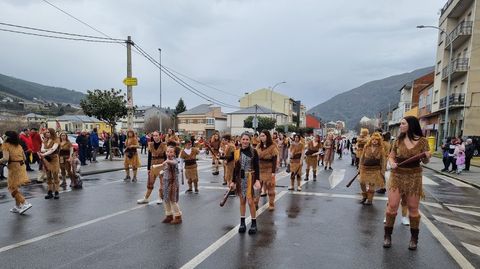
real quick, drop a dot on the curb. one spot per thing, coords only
(3, 183)
(454, 177)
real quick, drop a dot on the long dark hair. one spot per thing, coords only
(269, 139)
(12, 138)
(414, 131)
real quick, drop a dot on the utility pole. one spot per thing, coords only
(160, 71)
(129, 87)
(255, 120)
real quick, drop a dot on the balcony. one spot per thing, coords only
(457, 68)
(455, 100)
(459, 35)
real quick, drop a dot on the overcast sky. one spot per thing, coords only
(320, 48)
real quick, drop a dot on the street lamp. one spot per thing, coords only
(271, 96)
(160, 69)
(449, 70)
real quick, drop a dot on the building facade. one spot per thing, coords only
(202, 120)
(235, 119)
(458, 18)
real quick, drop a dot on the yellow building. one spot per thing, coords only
(275, 101)
(77, 123)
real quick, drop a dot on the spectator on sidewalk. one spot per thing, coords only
(82, 143)
(89, 147)
(106, 142)
(94, 144)
(460, 162)
(459, 154)
(36, 146)
(445, 160)
(469, 149)
(121, 142)
(2, 167)
(143, 143)
(27, 147)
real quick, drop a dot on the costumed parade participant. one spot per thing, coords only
(189, 157)
(372, 168)
(65, 154)
(214, 147)
(51, 164)
(361, 141)
(131, 156)
(157, 154)
(313, 149)
(329, 147)
(296, 162)
(406, 179)
(14, 159)
(170, 188)
(228, 163)
(267, 155)
(246, 181)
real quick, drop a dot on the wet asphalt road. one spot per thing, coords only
(101, 226)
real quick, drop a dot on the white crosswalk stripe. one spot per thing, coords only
(428, 181)
(469, 212)
(454, 181)
(473, 249)
(457, 223)
(336, 177)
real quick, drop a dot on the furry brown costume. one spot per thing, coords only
(312, 160)
(296, 164)
(65, 152)
(191, 172)
(52, 164)
(17, 171)
(372, 163)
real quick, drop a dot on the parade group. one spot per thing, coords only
(250, 163)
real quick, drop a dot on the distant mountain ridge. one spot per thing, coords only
(366, 100)
(26, 90)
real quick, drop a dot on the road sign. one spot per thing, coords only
(130, 81)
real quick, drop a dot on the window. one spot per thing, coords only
(210, 121)
(439, 67)
(435, 97)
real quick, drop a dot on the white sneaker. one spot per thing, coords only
(142, 201)
(405, 221)
(15, 209)
(159, 201)
(384, 220)
(26, 206)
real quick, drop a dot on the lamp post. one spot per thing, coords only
(160, 71)
(271, 96)
(449, 70)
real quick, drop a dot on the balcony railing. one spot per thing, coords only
(463, 29)
(458, 66)
(455, 99)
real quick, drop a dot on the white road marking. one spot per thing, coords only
(428, 181)
(437, 205)
(335, 195)
(473, 213)
(456, 255)
(197, 260)
(463, 206)
(336, 177)
(457, 223)
(67, 229)
(454, 181)
(473, 249)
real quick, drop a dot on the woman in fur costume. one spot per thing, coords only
(157, 154)
(329, 147)
(215, 150)
(406, 180)
(372, 168)
(65, 153)
(361, 141)
(282, 144)
(228, 163)
(296, 162)
(267, 156)
(50, 159)
(14, 158)
(313, 150)
(246, 181)
(131, 156)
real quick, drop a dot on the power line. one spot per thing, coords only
(60, 33)
(182, 82)
(60, 37)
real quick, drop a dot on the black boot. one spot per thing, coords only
(49, 195)
(253, 227)
(314, 175)
(413, 239)
(56, 197)
(242, 227)
(387, 238)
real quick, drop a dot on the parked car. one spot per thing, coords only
(73, 139)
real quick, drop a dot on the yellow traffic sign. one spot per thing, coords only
(130, 81)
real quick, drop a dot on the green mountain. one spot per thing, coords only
(366, 100)
(26, 90)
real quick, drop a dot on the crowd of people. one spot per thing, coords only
(249, 161)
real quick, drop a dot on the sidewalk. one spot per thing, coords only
(102, 166)
(471, 177)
